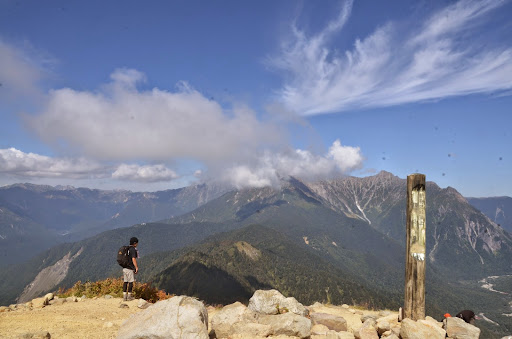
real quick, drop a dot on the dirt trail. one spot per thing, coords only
(89, 318)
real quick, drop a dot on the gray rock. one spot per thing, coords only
(457, 328)
(40, 302)
(49, 296)
(333, 322)
(383, 326)
(367, 331)
(273, 302)
(341, 335)
(72, 299)
(124, 306)
(143, 304)
(179, 317)
(224, 320)
(319, 329)
(420, 329)
(108, 296)
(368, 316)
(289, 324)
(247, 330)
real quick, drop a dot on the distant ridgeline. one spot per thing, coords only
(339, 241)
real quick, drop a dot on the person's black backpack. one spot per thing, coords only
(123, 258)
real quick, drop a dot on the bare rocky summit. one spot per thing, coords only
(268, 315)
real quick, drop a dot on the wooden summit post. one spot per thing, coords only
(414, 301)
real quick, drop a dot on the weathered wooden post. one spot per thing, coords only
(414, 302)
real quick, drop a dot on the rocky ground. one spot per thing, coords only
(87, 318)
(101, 318)
(268, 315)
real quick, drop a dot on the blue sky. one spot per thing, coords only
(151, 96)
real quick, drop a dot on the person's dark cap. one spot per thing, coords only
(134, 241)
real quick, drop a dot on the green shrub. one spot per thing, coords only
(113, 287)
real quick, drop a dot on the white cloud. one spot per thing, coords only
(437, 58)
(119, 122)
(20, 72)
(271, 167)
(30, 165)
(147, 173)
(20, 164)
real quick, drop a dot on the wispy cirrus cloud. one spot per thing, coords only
(442, 56)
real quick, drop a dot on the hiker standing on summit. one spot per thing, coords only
(130, 270)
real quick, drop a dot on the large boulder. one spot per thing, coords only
(225, 322)
(333, 322)
(457, 328)
(180, 317)
(289, 324)
(420, 329)
(273, 302)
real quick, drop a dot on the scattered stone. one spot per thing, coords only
(289, 324)
(4, 309)
(177, 317)
(345, 306)
(83, 297)
(40, 302)
(49, 296)
(384, 313)
(433, 321)
(108, 324)
(317, 304)
(72, 299)
(319, 329)
(246, 330)
(143, 304)
(351, 310)
(345, 335)
(457, 328)
(420, 329)
(368, 316)
(392, 336)
(108, 296)
(223, 321)
(273, 302)
(367, 331)
(333, 322)
(124, 306)
(383, 326)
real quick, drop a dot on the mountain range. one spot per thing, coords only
(34, 218)
(498, 209)
(339, 241)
